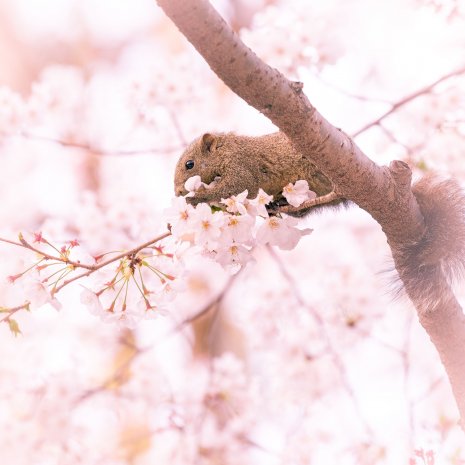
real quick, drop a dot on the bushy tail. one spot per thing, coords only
(441, 250)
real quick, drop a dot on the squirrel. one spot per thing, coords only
(238, 163)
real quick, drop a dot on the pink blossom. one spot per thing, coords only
(169, 291)
(281, 232)
(207, 226)
(235, 203)
(238, 228)
(38, 237)
(296, 194)
(36, 292)
(259, 203)
(179, 216)
(193, 184)
(12, 278)
(233, 254)
(92, 302)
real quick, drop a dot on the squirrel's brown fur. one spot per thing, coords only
(270, 162)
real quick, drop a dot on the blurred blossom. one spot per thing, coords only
(12, 109)
(295, 36)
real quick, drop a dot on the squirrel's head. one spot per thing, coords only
(202, 159)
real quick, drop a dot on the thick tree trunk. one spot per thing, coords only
(383, 192)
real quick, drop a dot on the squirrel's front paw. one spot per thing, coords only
(273, 208)
(201, 195)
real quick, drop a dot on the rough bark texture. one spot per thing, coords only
(383, 192)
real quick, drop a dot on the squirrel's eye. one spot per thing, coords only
(190, 164)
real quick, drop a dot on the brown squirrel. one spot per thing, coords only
(270, 162)
(240, 163)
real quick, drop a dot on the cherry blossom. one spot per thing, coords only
(298, 193)
(37, 292)
(281, 232)
(193, 184)
(235, 203)
(233, 255)
(238, 228)
(179, 217)
(258, 205)
(207, 226)
(91, 301)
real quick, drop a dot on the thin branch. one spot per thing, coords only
(100, 151)
(23, 243)
(395, 106)
(11, 311)
(207, 308)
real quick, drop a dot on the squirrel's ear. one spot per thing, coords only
(209, 142)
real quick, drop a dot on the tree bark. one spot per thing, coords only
(384, 192)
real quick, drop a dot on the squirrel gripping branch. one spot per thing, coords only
(238, 163)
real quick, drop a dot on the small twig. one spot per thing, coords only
(11, 311)
(23, 243)
(177, 127)
(409, 98)
(206, 309)
(363, 98)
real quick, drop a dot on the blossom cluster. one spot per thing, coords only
(230, 235)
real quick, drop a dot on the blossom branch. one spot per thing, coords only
(44, 289)
(92, 268)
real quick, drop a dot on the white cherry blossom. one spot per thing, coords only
(296, 194)
(207, 226)
(260, 202)
(37, 292)
(179, 216)
(235, 203)
(281, 232)
(193, 184)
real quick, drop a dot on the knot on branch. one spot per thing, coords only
(401, 174)
(297, 86)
